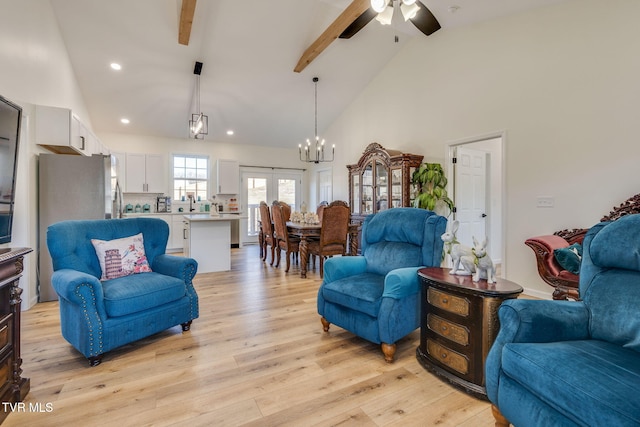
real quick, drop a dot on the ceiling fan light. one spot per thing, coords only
(378, 5)
(408, 2)
(385, 17)
(409, 11)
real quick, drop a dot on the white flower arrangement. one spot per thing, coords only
(305, 218)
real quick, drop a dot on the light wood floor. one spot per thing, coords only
(257, 356)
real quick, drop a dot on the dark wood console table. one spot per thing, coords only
(459, 322)
(13, 387)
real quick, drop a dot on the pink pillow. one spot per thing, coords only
(121, 257)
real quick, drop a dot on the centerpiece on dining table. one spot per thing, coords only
(305, 217)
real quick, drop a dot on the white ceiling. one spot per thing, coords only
(249, 49)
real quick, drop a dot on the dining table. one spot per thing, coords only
(305, 231)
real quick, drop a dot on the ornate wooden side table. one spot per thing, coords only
(459, 323)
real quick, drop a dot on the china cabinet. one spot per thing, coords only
(381, 180)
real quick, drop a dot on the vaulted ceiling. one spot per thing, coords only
(248, 48)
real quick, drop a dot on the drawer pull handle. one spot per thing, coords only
(444, 300)
(444, 355)
(444, 328)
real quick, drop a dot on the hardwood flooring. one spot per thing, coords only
(256, 356)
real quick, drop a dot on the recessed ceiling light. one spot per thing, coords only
(116, 66)
(125, 121)
(230, 132)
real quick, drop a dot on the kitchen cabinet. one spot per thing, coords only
(228, 177)
(176, 238)
(207, 239)
(60, 131)
(145, 173)
(381, 180)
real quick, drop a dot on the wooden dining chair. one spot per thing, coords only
(333, 235)
(280, 213)
(268, 238)
(320, 209)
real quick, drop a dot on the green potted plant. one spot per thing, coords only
(431, 186)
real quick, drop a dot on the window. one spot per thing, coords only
(190, 176)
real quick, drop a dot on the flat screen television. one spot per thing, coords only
(10, 121)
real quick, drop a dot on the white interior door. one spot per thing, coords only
(257, 186)
(470, 194)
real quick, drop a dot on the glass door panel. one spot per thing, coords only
(260, 186)
(396, 188)
(356, 204)
(382, 186)
(367, 190)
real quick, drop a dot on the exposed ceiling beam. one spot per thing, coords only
(186, 20)
(350, 14)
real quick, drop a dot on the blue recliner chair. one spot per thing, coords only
(561, 363)
(97, 316)
(377, 295)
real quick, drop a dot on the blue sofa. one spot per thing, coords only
(561, 363)
(97, 316)
(377, 295)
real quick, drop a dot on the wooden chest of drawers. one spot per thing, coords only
(458, 325)
(13, 387)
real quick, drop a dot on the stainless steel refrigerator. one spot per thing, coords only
(72, 187)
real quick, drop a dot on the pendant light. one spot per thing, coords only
(199, 123)
(318, 145)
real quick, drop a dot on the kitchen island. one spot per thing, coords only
(207, 239)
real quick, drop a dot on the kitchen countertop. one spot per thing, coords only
(208, 217)
(126, 214)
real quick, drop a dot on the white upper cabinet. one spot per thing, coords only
(61, 131)
(145, 173)
(228, 177)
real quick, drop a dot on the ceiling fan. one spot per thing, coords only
(359, 13)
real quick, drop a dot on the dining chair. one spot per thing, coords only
(333, 234)
(266, 225)
(320, 209)
(281, 213)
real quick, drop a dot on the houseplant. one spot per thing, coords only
(431, 187)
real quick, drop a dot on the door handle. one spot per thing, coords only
(484, 215)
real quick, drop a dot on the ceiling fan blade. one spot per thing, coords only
(358, 24)
(346, 18)
(425, 21)
(186, 20)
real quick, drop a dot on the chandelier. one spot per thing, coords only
(318, 147)
(385, 9)
(199, 123)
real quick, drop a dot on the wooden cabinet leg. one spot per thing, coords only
(501, 421)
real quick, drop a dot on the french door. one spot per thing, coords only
(259, 185)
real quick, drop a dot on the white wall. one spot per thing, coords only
(35, 70)
(563, 81)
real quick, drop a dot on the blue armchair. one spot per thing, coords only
(377, 295)
(97, 316)
(561, 363)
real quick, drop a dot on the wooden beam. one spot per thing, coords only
(350, 14)
(186, 20)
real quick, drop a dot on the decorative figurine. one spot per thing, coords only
(456, 250)
(481, 261)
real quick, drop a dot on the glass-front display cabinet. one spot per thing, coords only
(381, 180)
